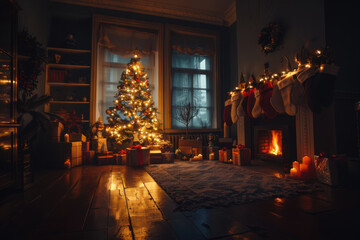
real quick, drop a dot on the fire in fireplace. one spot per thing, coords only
(269, 142)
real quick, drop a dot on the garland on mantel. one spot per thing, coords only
(311, 84)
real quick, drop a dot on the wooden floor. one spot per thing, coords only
(118, 202)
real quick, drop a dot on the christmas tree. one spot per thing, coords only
(134, 116)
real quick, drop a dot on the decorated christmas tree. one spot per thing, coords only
(134, 117)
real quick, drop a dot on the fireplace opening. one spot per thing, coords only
(270, 142)
(274, 140)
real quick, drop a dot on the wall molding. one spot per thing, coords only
(155, 8)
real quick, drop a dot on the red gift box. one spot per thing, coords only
(224, 155)
(137, 156)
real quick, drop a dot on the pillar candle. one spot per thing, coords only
(304, 170)
(66, 137)
(211, 156)
(296, 165)
(293, 172)
(306, 160)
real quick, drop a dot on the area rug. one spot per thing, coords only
(212, 184)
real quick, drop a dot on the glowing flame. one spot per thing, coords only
(275, 145)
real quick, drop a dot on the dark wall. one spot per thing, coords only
(341, 27)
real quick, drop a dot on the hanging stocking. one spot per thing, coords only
(276, 100)
(250, 102)
(227, 113)
(319, 88)
(241, 109)
(235, 101)
(285, 86)
(298, 93)
(256, 110)
(265, 95)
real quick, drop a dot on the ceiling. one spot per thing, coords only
(218, 12)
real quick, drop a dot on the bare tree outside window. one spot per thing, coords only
(185, 113)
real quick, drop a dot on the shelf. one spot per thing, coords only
(69, 50)
(69, 102)
(68, 66)
(70, 84)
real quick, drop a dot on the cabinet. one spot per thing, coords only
(68, 82)
(9, 166)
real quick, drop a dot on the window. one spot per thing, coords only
(192, 79)
(116, 47)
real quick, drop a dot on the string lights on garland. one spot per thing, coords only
(134, 116)
(311, 82)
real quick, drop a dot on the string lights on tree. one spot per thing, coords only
(134, 116)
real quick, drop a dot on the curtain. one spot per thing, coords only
(116, 46)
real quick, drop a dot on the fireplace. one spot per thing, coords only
(275, 139)
(297, 135)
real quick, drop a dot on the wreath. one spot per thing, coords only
(270, 38)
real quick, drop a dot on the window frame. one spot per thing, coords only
(168, 76)
(127, 23)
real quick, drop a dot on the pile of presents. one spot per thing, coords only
(74, 149)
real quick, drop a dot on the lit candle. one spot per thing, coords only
(293, 172)
(306, 160)
(296, 165)
(211, 156)
(200, 157)
(304, 170)
(66, 138)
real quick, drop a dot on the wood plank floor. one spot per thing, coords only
(118, 202)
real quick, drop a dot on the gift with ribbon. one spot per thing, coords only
(331, 169)
(236, 156)
(244, 155)
(123, 156)
(137, 156)
(224, 155)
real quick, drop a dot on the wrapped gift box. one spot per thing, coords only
(85, 146)
(168, 157)
(245, 156)
(98, 144)
(236, 156)
(76, 154)
(331, 170)
(224, 155)
(77, 137)
(137, 157)
(88, 157)
(117, 159)
(104, 158)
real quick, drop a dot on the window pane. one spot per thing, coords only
(190, 61)
(180, 96)
(202, 120)
(202, 98)
(201, 81)
(181, 80)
